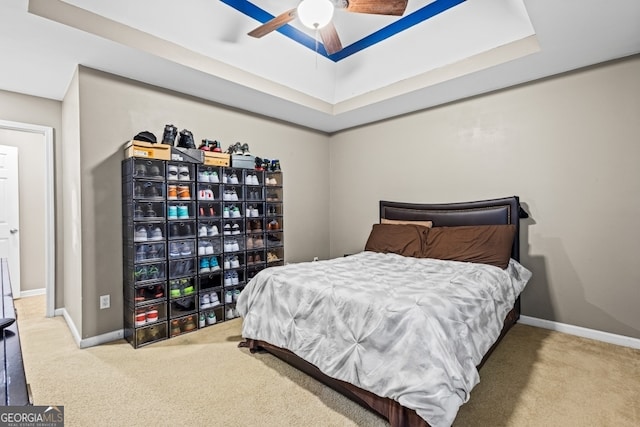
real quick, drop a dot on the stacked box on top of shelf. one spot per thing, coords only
(181, 247)
(144, 251)
(210, 244)
(256, 225)
(274, 219)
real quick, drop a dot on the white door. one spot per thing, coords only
(10, 214)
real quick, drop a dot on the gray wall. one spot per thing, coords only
(113, 110)
(569, 146)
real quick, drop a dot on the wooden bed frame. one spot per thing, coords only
(485, 212)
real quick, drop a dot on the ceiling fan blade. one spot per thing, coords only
(330, 39)
(378, 7)
(274, 24)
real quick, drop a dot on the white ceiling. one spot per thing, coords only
(200, 47)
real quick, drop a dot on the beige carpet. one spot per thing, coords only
(535, 378)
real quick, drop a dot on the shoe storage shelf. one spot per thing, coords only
(194, 235)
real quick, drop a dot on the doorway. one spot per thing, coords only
(43, 135)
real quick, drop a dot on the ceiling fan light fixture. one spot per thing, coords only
(315, 14)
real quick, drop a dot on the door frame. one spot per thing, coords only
(49, 206)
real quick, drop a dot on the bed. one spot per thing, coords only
(367, 382)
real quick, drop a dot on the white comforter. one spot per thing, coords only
(405, 328)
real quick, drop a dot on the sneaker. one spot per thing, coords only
(151, 191)
(172, 212)
(174, 289)
(187, 287)
(227, 263)
(141, 252)
(257, 259)
(203, 176)
(183, 212)
(235, 246)
(172, 192)
(234, 278)
(174, 250)
(140, 235)
(211, 318)
(235, 229)
(249, 259)
(213, 177)
(225, 212)
(213, 297)
(205, 302)
(228, 297)
(249, 242)
(140, 170)
(201, 321)
(236, 294)
(233, 179)
(183, 173)
(169, 134)
(150, 212)
(141, 318)
(175, 328)
(235, 212)
(228, 246)
(172, 173)
(226, 230)
(185, 249)
(235, 262)
(208, 250)
(204, 265)
(185, 140)
(258, 242)
(227, 279)
(212, 231)
(229, 314)
(184, 192)
(271, 257)
(152, 315)
(213, 264)
(189, 324)
(234, 195)
(156, 234)
(202, 231)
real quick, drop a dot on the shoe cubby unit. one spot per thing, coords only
(193, 237)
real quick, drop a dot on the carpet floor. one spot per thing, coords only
(535, 377)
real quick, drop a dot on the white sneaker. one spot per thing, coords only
(213, 231)
(172, 173)
(227, 279)
(228, 246)
(234, 278)
(208, 248)
(236, 294)
(140, 235)
(234, 179)
(156, 234)
(228, 297)
(227, 264)
(235, 229)
(214, 299)
(201, 249)
(205, 302)
(234, 245)
(230, 314)
(213, 177)
(227, 230)
(202, 231)
(235, 263)
(183, 173)
(211, 318)
(203, 176)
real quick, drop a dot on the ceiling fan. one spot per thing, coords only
(317, 15)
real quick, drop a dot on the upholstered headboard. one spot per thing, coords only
(483, 212)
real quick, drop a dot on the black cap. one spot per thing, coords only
(145, 136)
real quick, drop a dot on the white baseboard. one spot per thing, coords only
(91, 341)
(581, 332)
(33, 293)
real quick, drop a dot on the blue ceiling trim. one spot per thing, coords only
(420, 15)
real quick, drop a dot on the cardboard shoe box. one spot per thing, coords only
(147, 150)
(216, 159)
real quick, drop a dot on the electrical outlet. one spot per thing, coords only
(105, 301)
(315, 258)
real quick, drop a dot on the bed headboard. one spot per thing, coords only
(483, 212)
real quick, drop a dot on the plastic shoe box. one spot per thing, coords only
(208, 210)
(153, 333)
(183, 325)
(182, 268)
(181, 249)
(274, 239)
(147, 211)
(148, 314)
(183, 306)
(181, 288)
(243, 162)
(147, 150)
(219, 315)
(147, 273)
(144, 190)
(143, 294)
(208, 192)
(182, 230)
(208, 282)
